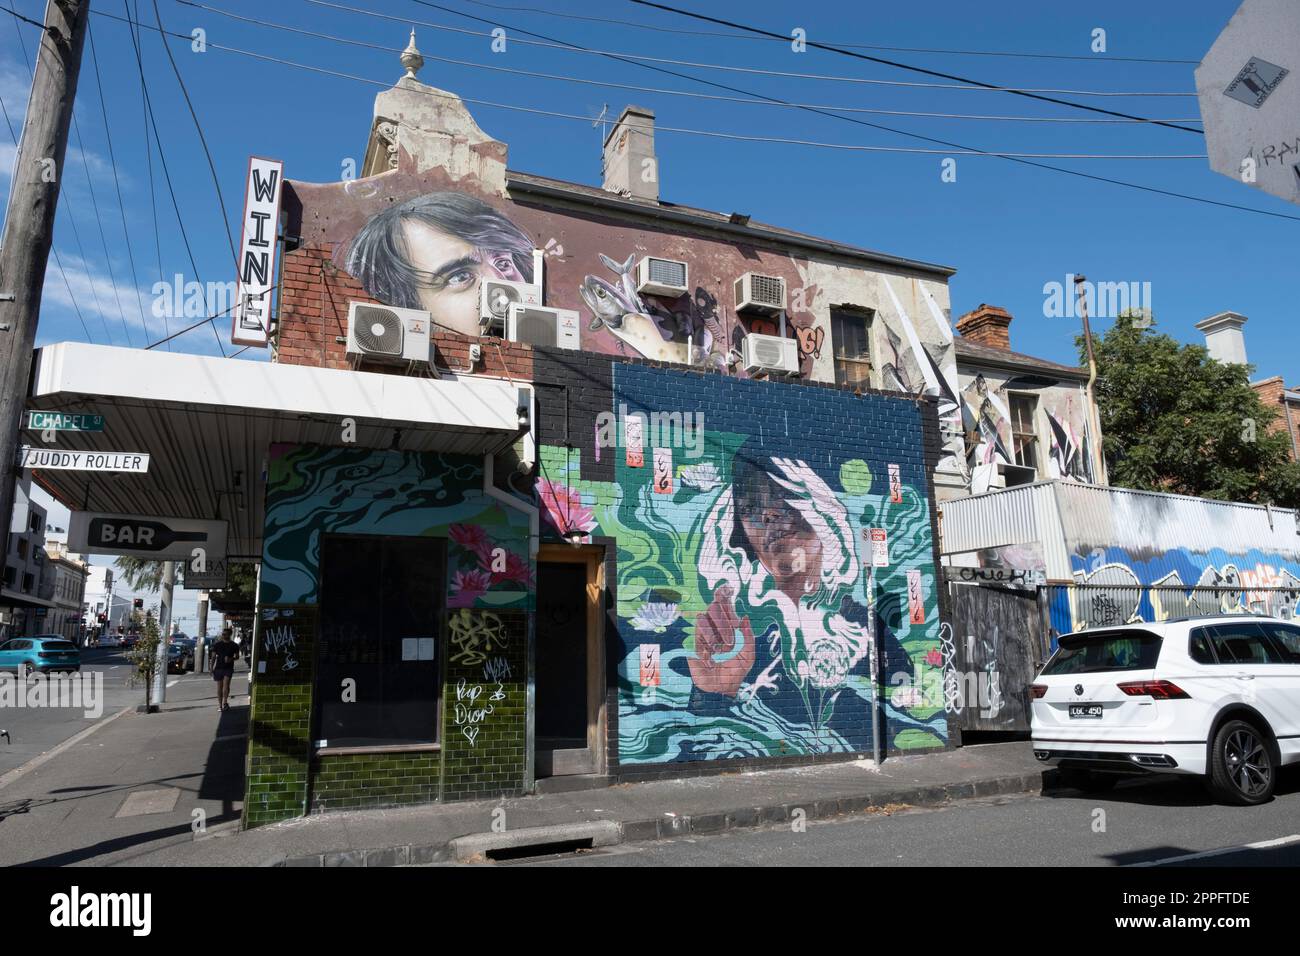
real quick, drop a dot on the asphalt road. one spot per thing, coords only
(36, 731)
(1137, 823)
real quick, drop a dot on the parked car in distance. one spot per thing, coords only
(1217, 697)
(180, 654)
(40, 654)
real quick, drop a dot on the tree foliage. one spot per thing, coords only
(1173, 419)
(142, 574)
(143, 656)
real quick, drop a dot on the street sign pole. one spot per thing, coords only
(201, 644)
(164, 626)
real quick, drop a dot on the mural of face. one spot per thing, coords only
(434, 252)
(783, 542)
(455, 272)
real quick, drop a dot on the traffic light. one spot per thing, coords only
(139, 604)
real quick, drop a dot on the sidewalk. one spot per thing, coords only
(126, 795)
(133, 784)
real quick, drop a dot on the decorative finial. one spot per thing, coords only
(411, 58)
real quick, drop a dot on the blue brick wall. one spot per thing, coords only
(743, 594)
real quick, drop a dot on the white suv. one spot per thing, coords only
(1218, 697)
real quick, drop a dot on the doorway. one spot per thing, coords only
(569, 671)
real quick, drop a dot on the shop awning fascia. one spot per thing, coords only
(208, 424)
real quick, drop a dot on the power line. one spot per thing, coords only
(18, 16)
(57, 260)
(929, 139)
(859, 46)
(121, 206)
(198, 127)
(955, 150)
(938, 74)
(162, 156)
(658, 90)
(68, 215)
(551, 43)
(85, 261)
(153, 188)
(94, 205)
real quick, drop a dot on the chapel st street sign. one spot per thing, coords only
(64, 422)
(147, 537)
(52, 458)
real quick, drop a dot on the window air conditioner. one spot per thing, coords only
(661, 277)
(540, 325)
(770, 353)
(381, 333)
(759, 293)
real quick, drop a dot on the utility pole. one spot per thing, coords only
(1093, 413)
(29, 222)
(201, 639)
(164, 627)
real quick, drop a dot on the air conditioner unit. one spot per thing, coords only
(770, 353)
(1010, 475)
(759, 293)
(661, 276)
(540, 325)
(497, 296)
(381, 333)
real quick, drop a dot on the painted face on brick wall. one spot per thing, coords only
(455, 271)
(435, 252)
(781, 539)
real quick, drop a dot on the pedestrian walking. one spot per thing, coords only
(224, 653)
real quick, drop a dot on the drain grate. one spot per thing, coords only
(538, 849)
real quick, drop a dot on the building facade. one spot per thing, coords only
(677, 565)
(68, 592)
(1028, 419)
(26, 595)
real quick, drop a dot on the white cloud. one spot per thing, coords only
(92, 291)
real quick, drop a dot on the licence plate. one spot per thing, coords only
(1086, 711)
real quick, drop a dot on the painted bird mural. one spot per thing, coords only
(648, 330)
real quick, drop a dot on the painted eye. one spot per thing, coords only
(461, 277)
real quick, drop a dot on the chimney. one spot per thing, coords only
(1223, 337)
(630, 165)
(987, 325)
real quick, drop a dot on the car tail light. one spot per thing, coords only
(44, 654)
(1157, 689)
(1038, 690)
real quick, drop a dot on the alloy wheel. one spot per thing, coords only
(1247, 763)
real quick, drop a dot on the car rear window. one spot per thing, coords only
(59, 645)
(1091, 652)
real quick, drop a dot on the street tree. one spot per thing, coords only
(143, 656)
(1173, 419)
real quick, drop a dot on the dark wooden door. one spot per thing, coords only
(998, 637)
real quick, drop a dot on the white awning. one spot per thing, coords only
(207, 424)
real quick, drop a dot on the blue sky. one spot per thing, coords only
(1008, 229)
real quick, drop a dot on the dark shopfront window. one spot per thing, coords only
(381, 611)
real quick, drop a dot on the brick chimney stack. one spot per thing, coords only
(987, 325)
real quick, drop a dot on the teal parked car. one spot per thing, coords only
(39, 655)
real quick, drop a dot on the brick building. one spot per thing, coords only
(718, 503)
